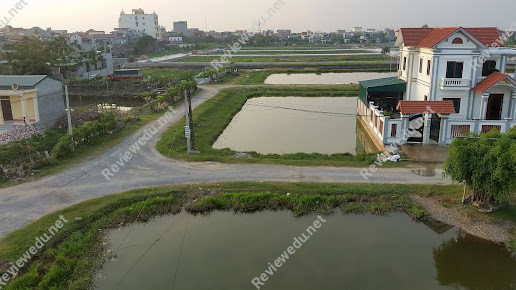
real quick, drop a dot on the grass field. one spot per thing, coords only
(311, 58)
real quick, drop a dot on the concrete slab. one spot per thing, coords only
(426, 152)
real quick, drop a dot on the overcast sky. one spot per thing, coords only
(298, 15)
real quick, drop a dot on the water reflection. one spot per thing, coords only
(225, 251)
(324, 78)
(472, 263)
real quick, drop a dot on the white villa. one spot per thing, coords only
(450, 81)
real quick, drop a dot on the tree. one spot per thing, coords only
(90, 58)
(32, 56)
(145, 44)
(66, 57)
(486, 163)
(386, 50)
(29, 56)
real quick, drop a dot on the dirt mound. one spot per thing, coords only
(77, 119)
(19, 133)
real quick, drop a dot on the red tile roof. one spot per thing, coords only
(436, 35)
(486, 35)
(429, 37)
(490, 81)
(419, 107)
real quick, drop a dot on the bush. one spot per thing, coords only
(85, 134)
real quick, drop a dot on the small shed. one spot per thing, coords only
(384, 92)
(30, 99)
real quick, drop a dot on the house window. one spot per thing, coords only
(457, 40)
(428, 67)
(488, 68)
(394, 129)
(426, 98)
(405, 63)
(454, 70)
(420, 65)
(456, 103)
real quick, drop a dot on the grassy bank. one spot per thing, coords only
(301, 58)
(72, 256)
(298, 51)
(214, 115)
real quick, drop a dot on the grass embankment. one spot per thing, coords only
(175, 74)
(298, 51)
(214, 115)
(301, 58)
(71, 258)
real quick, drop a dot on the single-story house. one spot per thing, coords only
(30, 99)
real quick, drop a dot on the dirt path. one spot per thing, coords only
(495, 232)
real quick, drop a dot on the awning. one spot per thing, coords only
(383, 85)
(420, 107)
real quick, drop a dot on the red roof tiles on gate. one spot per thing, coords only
(429, 37)
(490, 81)
(419, 107)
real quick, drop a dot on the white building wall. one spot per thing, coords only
(146, 23)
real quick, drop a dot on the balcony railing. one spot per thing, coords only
(455, 83)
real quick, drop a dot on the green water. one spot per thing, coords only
(281, 125)
(226, 251)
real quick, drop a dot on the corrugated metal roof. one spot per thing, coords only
(382, 82)
(21, 80)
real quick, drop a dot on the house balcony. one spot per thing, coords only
(455, 84)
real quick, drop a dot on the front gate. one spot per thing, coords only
(415, 130)
(435, 127)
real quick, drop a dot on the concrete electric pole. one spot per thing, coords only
(189, 128)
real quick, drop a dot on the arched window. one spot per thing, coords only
(457, 40)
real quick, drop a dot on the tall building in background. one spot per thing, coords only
(141, 22)
(181, 27)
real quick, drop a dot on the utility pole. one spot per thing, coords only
(68, 113)
(189, 128)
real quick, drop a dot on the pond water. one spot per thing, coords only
(294, 124)
(226, 251)
(324, 78)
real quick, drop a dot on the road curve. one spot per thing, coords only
(24, 203)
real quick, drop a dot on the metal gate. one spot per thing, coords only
(435, 127)
(415, 131)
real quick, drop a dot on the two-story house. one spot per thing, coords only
(450, 81)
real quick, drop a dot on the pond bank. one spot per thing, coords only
(72, 256)
(495, 232)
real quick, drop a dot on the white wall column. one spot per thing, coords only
(483, 106)
(427, 121)
(503, 64)
(36, 109)
(512, 108)
(1, 115)
(23, 103)
(434, 80)
(443, 130)
(404, 129)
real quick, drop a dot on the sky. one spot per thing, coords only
(298, 15)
